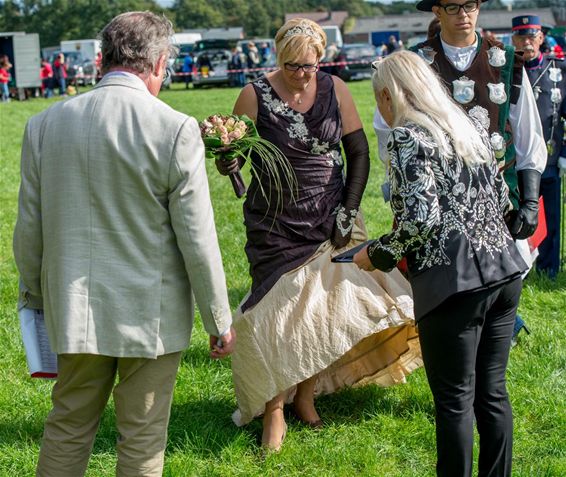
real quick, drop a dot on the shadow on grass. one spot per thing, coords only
(19, 431)
(352, 405)
(203, 427)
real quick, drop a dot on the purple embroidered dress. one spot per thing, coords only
(282, 241)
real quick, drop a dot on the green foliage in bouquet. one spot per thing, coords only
(233, 137)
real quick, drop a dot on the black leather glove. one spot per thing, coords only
(356, 149)
(523, 223)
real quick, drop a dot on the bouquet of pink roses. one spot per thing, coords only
(230, 137)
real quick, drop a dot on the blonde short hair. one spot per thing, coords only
(298, 37)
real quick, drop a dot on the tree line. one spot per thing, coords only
(57, 20)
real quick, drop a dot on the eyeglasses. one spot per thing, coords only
(305, 68)
(166, 75)
(454, 8)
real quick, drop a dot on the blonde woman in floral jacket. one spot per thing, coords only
(448, 200)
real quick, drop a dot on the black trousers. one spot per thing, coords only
(465, 344)
(548, 260)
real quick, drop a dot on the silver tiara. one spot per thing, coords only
(303, 29)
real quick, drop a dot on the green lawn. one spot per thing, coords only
(369, 432)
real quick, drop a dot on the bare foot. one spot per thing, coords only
(274, 430)
(306, 412)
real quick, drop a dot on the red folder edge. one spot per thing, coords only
(540, 233)
(39, 374)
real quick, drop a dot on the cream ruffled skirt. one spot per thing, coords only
(349, 326)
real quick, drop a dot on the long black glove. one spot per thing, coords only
(523, 223)
(229, 166)
(356, 149)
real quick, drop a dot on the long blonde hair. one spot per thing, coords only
(418, 96)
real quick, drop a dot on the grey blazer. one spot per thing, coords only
(115, 229)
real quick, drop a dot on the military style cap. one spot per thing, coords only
(526, 25)
(426, 5)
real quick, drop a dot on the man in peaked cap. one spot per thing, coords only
(487, 79)
(547, 75)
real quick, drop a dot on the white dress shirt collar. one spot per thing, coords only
(460, 57)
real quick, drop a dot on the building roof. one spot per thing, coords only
(417, 22)
(324, 18)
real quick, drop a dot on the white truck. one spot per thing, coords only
(333, 35)
(80, 56)
(88, 48)
(24, 54)
(185, 38)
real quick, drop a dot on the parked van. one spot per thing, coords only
(23, 52)
(185, 38)
(87, 48)
(333, 35)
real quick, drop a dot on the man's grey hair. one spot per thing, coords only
(136, 40)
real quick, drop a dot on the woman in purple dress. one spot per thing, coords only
(309, 326)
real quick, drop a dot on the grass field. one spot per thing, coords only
(369, 432)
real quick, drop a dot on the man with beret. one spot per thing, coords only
(547, 75)
(487, 79)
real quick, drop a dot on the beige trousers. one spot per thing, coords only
(142, 398)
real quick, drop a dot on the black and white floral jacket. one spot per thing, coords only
(448, 221)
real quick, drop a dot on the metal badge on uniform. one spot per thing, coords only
(498, 145)
(555, 74)
(427, 53)
(496, 56)
(536, 91)
(555, 95)
(480, 114)
(497, 92)
(463, 90)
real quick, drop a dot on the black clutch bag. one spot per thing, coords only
(348, 255)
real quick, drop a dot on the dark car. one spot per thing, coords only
(212, 68)
(354, 61)
(214, 44)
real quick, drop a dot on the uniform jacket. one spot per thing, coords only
(496, 73)
(548, 79)
(449, 221)
(115, 229)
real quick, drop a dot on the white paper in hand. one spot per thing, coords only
(42, 362)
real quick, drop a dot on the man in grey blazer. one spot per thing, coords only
(115, 235)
